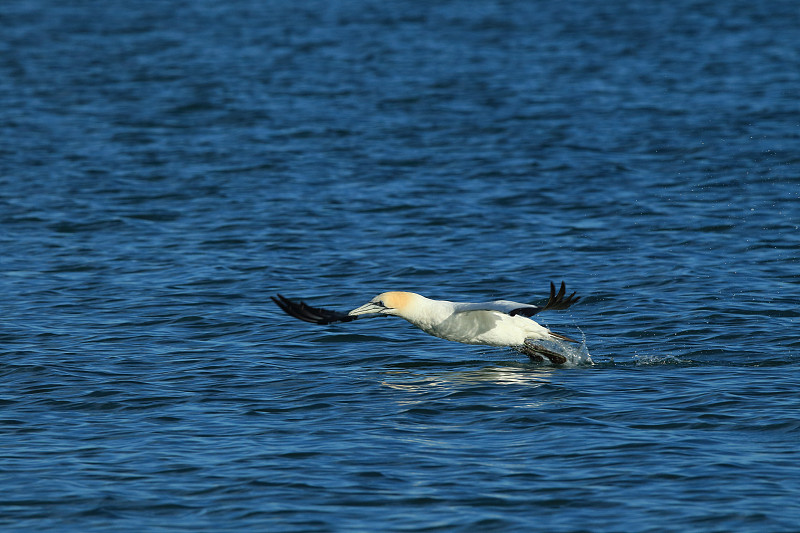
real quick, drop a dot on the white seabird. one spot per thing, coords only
(496, 323)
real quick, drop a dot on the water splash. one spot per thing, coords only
(576, 354)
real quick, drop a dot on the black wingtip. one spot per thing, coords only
(314, 315)
(558, 300)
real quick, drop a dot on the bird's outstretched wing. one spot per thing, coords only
(306, 313)
(556, 302)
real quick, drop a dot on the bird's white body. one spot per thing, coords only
(469, 323)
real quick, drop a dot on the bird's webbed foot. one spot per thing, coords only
(537, 354)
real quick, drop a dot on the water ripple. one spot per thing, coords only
(165, 169)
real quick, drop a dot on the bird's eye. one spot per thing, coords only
(380, 302)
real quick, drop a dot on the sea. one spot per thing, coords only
(168, 166)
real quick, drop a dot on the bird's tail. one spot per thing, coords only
(562, 337)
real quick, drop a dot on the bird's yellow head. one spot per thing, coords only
(394, 300)
(387, 303)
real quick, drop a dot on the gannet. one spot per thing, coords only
(496, 323)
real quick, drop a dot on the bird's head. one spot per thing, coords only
(388, 303)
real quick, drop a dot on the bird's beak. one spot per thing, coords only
(367, 308)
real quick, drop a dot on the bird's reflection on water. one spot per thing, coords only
(417, 382)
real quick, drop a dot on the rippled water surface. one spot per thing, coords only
(166, 167)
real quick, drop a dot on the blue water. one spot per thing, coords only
(166, 167)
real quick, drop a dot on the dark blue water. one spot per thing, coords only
(165, 167)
